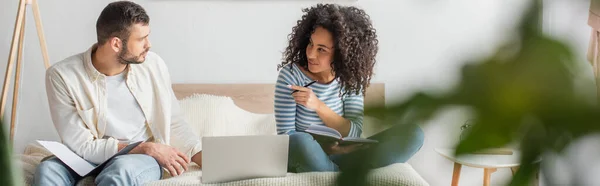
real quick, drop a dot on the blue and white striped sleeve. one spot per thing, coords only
(285, 106)
(354, 111)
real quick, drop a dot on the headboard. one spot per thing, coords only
(259, 98)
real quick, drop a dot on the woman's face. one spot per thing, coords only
(319, 51)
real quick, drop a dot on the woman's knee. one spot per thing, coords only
(306, 155)
(301, 136)
(418, 137)
(411, 136)
(400, 146)
(301, 139)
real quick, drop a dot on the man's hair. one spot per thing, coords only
(117, 18)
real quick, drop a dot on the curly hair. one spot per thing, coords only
(355, 44)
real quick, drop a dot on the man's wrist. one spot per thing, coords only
(142, 148)
(197, 158)
(120, 146)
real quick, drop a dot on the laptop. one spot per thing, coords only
(232, 158)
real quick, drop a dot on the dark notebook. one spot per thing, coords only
(326, 134)
(75, 162)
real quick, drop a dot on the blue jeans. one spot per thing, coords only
(130, 169)
(396, 145)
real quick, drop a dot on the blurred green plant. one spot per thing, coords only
(524, 94)
(8, 175)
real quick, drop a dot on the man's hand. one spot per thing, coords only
(197, 158)
(335, 148)
(167, 156)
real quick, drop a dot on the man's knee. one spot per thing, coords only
(52, 171)
(130, 169)
(133, 162)
(49, 166)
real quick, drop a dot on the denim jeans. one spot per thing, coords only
(130, 169)
(396, 145)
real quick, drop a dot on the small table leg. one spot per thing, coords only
(487, 174)
(514, 170)
(536, 180)
(456, 174)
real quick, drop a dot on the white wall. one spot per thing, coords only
(422, 46)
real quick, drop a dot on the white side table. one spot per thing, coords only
(489, 163)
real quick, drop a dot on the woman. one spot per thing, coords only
(336, 47)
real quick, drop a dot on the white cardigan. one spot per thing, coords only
(77, 98)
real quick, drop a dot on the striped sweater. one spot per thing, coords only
(292, 117)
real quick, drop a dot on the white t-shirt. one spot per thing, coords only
(125, 119)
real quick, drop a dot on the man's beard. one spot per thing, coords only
(123, 59)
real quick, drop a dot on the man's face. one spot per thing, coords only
(136, 46)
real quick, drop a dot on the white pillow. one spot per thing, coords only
(211, 115)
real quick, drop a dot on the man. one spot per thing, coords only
(116, 93)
